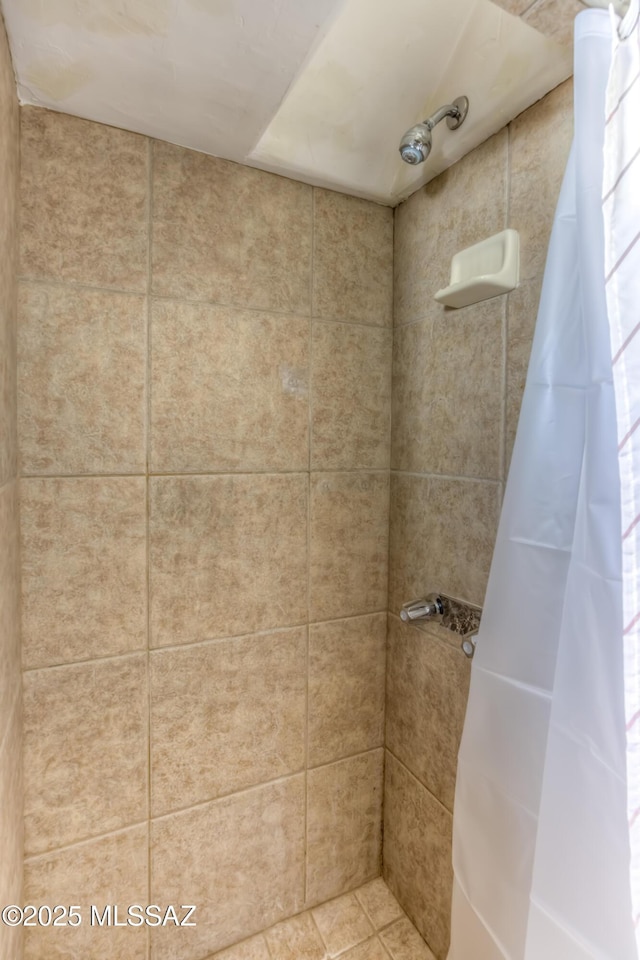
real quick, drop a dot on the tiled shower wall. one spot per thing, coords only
(10, 686)
(458, 378)
(204, 410)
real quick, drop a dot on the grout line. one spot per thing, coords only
(35, 857)
(385, 949)
(419, 781)
(266, 942)
(148, 509)
(394, 343)
(423, 318)
(502, 454)
(264, 783)
(252, 788)
(505, 322)
(338, 321)
(387, 926)
(391, 406)
(201, 643)
(494, 481)
(349, 756)
(531, 8)
(228, 304)
(128, 654)
(84, 476)
(310, 408)
(15, 703)
(74, 285)
(243, 472)
(384, 745)
(319, 932)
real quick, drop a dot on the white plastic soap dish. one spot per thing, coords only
(484, 270)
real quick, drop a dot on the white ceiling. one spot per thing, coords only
(319, 90)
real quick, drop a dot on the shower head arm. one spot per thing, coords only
(456, 112)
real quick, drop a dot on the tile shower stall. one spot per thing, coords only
(237, 433)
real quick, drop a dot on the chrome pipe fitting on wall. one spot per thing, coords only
(425, 609)
(456, 615)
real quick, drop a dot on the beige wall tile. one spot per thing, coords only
(10, 679)
(11, 789)
(351, 400)
(228, 233)
(427, 690)
(447, 393)
(82, 371)
(346, 687)
(417, 854)
(464, 205)
(85, 750)
(343, 825)
(228, 555)
(111, 870)
(403, 942)
(11, 821)
(8, 380)
(522, 312)
(349, 544)
(554, 18)
(369, 950)
(84, 202)
(83, 568)
(379, 903)
(536, 175)
(295, 939)
(9, 164)
(352, 263)
(225, 715)
(240, 859)
(442, 536)
(229, 389)
(253, 949)
(342, 923)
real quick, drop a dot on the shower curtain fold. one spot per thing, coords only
(541, 839)
(621, 212)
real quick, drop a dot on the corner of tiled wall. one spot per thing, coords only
(458, 377)
(10, 682)
(205, 354)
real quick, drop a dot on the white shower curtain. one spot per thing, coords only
(542, 849)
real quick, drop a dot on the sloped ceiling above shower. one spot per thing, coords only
(319, 90)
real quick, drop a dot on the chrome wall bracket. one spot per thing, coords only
(456, 615)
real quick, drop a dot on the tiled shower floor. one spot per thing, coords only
(368, 924)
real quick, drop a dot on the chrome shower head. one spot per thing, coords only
(415, 145)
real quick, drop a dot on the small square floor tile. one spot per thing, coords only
(253, 949)
(296, 939)
(369, 950)
(379, 903)
(403, 942)
(342, 924)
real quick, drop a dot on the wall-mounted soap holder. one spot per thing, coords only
(456, 615)
(485, 270)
